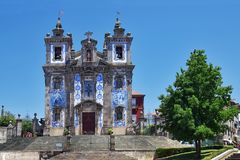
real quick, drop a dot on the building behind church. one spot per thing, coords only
(88, 91)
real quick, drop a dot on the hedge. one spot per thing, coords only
(164, 152)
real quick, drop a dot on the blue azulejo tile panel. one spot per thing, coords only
(99, 89)
(57, 98)
(77, 89)
(57, 92)
(119, 98)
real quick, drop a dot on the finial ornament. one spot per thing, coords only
(88, 34)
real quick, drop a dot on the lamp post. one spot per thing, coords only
(141, 119)
(156, 119)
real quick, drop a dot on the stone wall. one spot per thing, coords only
(3, 135)
(19, 155)
(119, 130)
(139, 155)
(56, 131)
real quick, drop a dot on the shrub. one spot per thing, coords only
(110, 131)
(5, 120)
(65, 132)
(164, 152)
(27, 126)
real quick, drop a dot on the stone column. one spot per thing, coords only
(46, 129)
(112, 143)
(129, 90)
(80, 119)
(19, 126)
(71, 103)
(157, 118)
(107, 103)
(66, 108)
(10, 130)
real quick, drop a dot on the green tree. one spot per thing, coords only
(7, 118)
(26, 125)
(197, 105)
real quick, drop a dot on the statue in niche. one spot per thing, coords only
(57, 82)
(89, 55)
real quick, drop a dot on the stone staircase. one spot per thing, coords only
(91, 147)
(92, 155)
(147, 143)
(90, 143)
(16, 144)
(235, 156)
(56, 143)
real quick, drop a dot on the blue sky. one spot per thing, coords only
(165, 32)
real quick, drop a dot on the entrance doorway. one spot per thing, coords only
(88, 120)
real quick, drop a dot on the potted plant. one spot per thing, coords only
(110, 131)
(65, 132)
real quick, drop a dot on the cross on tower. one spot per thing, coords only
(88, 34)
(60, 13)
(118, 15)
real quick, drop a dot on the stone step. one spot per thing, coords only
(144, 142)
(89, 143)
(16, 143)
(92, 156)
(56, 143)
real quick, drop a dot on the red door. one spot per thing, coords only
(88, 119)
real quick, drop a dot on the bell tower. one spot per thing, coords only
(118, 45)
(117, 48)
(58, 50)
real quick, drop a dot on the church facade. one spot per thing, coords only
(88, 91)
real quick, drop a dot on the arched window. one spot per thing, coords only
(119, 113)
(56, 113)
(58, 53)
(119, 82)
(119, 52)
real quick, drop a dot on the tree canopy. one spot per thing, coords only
(27, 124)
(197, 105)
(7, 118)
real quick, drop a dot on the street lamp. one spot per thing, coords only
(156, 118)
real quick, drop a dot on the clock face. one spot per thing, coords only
(119, 53)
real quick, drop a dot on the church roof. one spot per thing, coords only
(136, 93)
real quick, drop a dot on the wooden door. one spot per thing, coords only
(88, 119)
